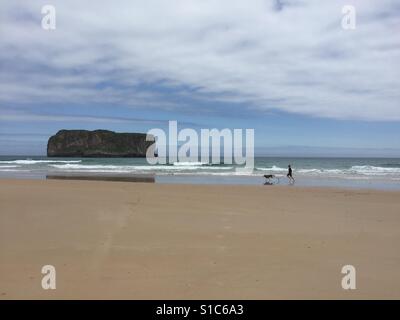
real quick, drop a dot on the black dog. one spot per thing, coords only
(269, 176)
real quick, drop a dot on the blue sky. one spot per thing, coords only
(285, 68)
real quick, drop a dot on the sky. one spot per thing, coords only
(286, 68)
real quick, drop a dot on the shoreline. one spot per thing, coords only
(116, 240)
(204, 179)
(114, 178)
(133, 181)
(349, 173)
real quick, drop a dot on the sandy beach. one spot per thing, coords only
(119, 240)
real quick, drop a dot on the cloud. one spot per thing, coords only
(291, 56)
(7, 114)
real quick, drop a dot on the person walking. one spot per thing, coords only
(290, 174)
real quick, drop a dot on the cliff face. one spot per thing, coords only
(98, 143)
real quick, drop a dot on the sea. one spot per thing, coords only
(370, 173)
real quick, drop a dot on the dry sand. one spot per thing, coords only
(112, 240)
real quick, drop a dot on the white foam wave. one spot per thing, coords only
(226, 174)
(322, 171)
(113, 168)
(28, 161)
(371, 170)
(359, 171)
(273, 168)
(184, 164)
(309, 171)
(354, 170)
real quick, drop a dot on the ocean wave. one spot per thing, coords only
(371, 170)
(225, 174)
(113, 168)
(184, 164)
(28, 161)
(273, 168)
(201, 168)
(391, 165)
(309, 171)
(354, 170)
(322, 171)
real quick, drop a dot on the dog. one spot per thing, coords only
(269, 176)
